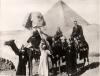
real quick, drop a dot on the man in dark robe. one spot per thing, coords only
(23, 57)
(73, 56)
(65, 48)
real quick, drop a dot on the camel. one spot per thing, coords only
(23, 57)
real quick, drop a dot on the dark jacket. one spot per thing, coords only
(77, 31)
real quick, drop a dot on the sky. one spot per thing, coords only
(14, 12)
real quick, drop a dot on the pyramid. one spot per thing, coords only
(61, 15)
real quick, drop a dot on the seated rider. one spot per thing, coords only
(35, 39)
(77, 31)
(58, 34)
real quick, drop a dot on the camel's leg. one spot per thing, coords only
(56, 67)
(84, 62)
(30, 68)
(30, 62)
(52, 67)
(88, 57)
(67, 68)
(88, 60)
(59, 65)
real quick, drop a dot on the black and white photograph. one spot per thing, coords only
(49, 38)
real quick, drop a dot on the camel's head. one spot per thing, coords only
(10, 42)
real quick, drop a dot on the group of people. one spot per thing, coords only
(56, 47)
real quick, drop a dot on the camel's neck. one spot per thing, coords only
(14, 48)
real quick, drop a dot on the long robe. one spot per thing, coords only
(43, 66)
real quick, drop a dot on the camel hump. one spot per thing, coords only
(9, 42)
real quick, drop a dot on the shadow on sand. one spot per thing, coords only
(84, 69)
(79, 72)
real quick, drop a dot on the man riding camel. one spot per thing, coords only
(34, 23)
(58, 34)
(77, 31)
